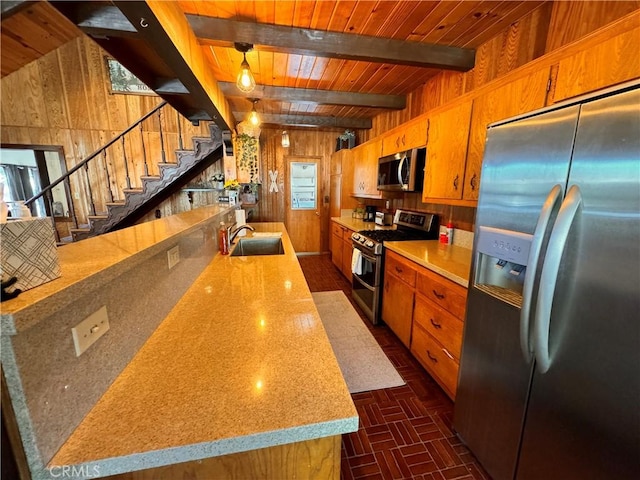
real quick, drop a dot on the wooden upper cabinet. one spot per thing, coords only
(520, 96)
(409, 135)
(613, 61)
(346, 180)
(365, 169)
(447, 142)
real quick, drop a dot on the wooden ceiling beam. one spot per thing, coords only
(9, 8)
(317, 97)
(308, 120)
(319, 43)
(97, 19)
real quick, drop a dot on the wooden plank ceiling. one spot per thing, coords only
(452, 23)
(464, 24)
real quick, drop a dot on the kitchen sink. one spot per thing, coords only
(258, 246)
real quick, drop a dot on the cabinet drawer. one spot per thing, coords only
(401, 268)
(435, 359)
(443, 292)
(337, 229)
(440, 324)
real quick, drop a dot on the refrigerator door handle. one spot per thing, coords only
(549, 276)
(550, 205)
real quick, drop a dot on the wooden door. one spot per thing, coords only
(520, 96)
(447, 153)
(304, 203)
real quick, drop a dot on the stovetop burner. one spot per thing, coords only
(409, 226)
(392, 235)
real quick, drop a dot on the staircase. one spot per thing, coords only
(135, 202)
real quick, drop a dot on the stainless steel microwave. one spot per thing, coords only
(402, 171)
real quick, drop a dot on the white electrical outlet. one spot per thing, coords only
(173, 256)
(89, 330)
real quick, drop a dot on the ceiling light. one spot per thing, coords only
(245, 81)
(285, 139)
(254, 119)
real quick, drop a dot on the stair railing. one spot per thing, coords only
(98, 161)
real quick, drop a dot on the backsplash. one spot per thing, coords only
(463, 218)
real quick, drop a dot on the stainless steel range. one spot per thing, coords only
(368, 258)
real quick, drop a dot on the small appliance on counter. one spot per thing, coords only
(369, 213)
(384, 218)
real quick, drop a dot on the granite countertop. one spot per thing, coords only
(83, 269)
(241, 362)
(450, 261)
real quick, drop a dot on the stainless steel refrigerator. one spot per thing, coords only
(549, 382)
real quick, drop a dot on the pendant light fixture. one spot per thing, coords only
(285, 139)
(245, 81)
(254, 119)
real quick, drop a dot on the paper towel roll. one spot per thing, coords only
(241, 220)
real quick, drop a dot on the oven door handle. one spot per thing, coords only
(368, 257)
(363, 283)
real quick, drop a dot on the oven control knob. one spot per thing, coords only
(355, 236)
(369, 244)
(363, 239)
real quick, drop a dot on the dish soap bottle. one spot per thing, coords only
(223, 240)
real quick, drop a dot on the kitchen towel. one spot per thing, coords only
(356, 262)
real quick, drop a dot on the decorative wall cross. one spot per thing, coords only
(273, 176)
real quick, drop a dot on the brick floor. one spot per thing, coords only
(405, 432)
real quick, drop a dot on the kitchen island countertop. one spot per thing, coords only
(242, 362)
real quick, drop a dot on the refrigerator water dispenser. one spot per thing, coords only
(502, 263)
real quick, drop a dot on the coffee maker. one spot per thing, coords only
(369, 213)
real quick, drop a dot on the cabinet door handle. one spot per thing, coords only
(431, 357)
(455, 182)
(440, 296)
(399, 270)
(435, 324)
(473, 182)
(403, 140)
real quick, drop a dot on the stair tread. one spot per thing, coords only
(150, 177)
(133, 190)
(116, 204)
(80, 230)
(168, 164)
(98, 217)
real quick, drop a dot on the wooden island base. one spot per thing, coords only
(313, 459)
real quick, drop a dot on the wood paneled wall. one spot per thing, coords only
(546, 29)
(311, 143)
(64, 99)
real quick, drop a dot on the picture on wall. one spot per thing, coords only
(122, 80)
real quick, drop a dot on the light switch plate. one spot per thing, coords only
(173, 256)
(89, 330)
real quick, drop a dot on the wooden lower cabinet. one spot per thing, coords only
(341, 248)
(442, 366)
(397, 307)
(312, 459)
(336, 245)
(426, 311)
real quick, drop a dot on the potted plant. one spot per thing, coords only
(232, 186)
(218, 181)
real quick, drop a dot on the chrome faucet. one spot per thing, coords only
(232, 236)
